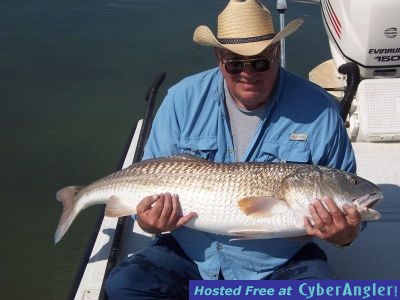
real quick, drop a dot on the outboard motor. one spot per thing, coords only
(367, 33)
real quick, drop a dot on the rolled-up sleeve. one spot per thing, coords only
(164, 134)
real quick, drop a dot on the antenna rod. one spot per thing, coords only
(281, 7)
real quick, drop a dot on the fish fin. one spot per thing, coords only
(115, 207)
(249, 234)
(253, 234)
(67, 197)
(259, 206)
(178, 158)
(187, 156)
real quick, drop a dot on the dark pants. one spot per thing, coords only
(163, 271)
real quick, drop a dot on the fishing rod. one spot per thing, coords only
(115, 253)
(281, 7)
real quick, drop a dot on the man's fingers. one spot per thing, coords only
(318, 223)
(164, 211)
(146, 203)
(311, 230)
(352, 215)
(167, 208)
(176, 206)
(323, 213)
(336, 213)
(158, 207)
(183, 220)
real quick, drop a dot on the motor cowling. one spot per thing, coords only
(366, 32)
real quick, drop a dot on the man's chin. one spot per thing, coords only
(250, 95)
(252, 101)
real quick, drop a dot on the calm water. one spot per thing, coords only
(72, 79)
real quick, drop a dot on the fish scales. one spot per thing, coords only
(200, 187)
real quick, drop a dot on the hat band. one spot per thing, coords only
(246, 40)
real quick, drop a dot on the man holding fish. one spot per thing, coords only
(249, 109)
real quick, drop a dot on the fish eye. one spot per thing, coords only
(354, 180)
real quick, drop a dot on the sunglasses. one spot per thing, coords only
(235, 66)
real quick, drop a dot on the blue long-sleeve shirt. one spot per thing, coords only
(302, 125)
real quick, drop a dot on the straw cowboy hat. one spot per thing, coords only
(244, 27)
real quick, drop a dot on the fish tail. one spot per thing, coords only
(68, 199)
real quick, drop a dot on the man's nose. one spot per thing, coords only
(248, 68)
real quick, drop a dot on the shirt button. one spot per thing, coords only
(219, 247)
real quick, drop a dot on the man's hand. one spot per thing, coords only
(160, 213)
(332, 224)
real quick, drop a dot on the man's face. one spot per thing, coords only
(250, 88)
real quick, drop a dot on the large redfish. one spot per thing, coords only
(243, 200)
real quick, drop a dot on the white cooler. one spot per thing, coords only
(377, 118)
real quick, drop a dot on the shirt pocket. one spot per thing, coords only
(203, 147)
(269, 152)
(293, 152)
(296, 152)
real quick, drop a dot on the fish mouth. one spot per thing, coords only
(369, 200)
(365, 206)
